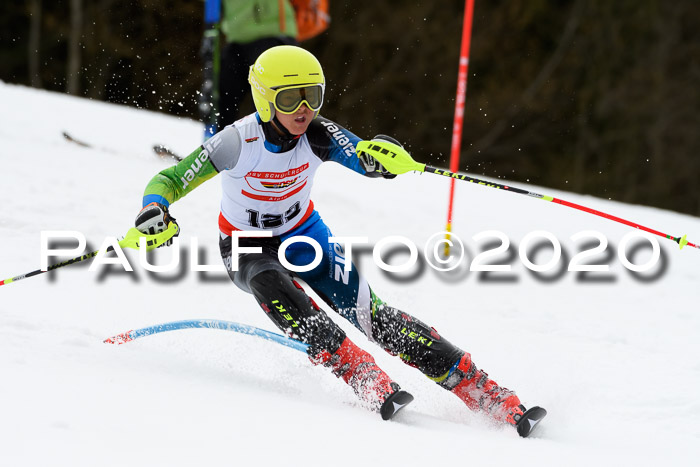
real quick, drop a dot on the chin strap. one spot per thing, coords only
(277, 137)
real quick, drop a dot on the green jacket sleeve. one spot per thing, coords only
(173, 183)
(249, 20)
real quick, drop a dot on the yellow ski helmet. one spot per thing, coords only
(285, 77)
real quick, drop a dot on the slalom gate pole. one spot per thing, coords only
(206, 323)
(459, 110)
(131, 240)
(398, 161)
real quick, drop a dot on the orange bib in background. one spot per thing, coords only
(312, 17)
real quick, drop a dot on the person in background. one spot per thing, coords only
(249, 28)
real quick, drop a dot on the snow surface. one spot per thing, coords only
(615, 363)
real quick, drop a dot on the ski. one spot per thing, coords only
(159, 149)
(525, 425)
(529, 421)
(86, 144)
(70, 138)
(394, 403)
(164, 151)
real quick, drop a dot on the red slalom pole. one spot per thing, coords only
(459, 108)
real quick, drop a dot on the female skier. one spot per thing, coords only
(267, 163)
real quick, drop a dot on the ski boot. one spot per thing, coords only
(482, 394)
(371, 384)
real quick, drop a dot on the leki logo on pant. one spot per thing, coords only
(284, 313)
(417, 337)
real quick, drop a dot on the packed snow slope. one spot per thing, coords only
(613, 356)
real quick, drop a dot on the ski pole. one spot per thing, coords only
(206, 323)
(130, 240)
(398, 161)
(210, 53)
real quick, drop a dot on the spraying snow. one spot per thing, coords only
(611, 355)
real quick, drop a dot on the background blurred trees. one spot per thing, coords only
(591, 96)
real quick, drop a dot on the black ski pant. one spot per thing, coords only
(283, 299)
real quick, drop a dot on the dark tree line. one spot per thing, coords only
(592, 96)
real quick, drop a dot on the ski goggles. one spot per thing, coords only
(288, 99)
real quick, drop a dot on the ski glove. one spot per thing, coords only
(154, 218)
(372, 165)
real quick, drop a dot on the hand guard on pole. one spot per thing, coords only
(372, 165)
(153, 219)
(391, 155)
